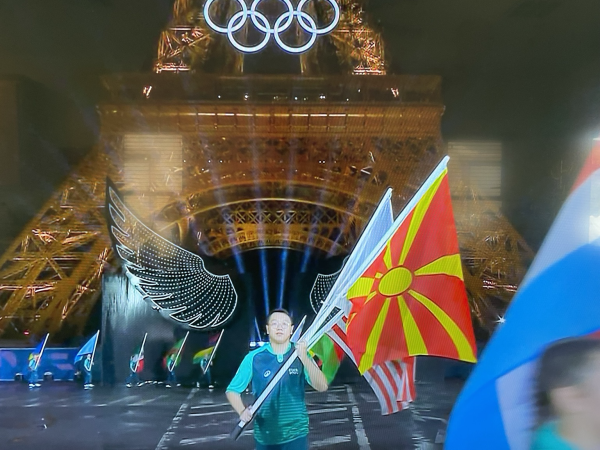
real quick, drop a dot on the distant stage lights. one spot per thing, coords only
(282, 23)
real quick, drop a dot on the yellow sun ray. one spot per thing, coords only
(446, 265)
(412, 334)
(366, 361)
(419, 213)
(361, 288)
(465, 352)
(387, 257)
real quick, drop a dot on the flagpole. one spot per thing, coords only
(328, 304)
(212, 355)
(42, 352)
(179, 351)
(95, 344)
(141, 351)
(298, 331)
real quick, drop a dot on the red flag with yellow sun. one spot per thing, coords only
(411, 300)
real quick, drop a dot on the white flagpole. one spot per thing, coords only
(330, 302)
(95, 344)
(212, 355)
(141, 352)
(42, 352)
(298, 331)
(179, 351)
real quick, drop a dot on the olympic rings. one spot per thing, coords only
(283, 22)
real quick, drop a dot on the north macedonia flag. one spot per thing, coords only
(412, 300)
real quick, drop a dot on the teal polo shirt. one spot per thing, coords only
(547, 438)
(282, 417)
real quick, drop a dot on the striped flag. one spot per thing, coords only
(393, 382)
(138, 359)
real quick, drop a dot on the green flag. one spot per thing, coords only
(203, 354)
(329, 355)
(173, 356)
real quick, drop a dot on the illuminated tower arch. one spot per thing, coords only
(239, 161)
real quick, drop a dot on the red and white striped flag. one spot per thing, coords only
(393, 382)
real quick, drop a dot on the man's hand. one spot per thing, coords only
(316, 377)
(302, 351)
(246, 415)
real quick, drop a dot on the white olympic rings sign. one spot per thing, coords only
(283, 22)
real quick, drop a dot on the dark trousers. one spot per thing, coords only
(133, 378)
(87, 377)
(33, 376)
(171, 378)
(206, 377)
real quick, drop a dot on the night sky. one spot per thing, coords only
(526, 72)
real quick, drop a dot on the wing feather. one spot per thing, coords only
(172, 278)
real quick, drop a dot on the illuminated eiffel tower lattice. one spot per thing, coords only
(206, 153)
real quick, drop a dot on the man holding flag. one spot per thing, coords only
(282, 423)
(172, 360)
(136, 365)
(34, 361)
(86, 354)
(205, 358)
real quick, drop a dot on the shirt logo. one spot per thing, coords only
(293, 371)
(267, 373)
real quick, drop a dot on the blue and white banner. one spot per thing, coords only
(58, 361)
(558, 299)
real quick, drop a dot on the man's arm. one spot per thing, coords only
(316, 377)
(239, 383)
(235, 400)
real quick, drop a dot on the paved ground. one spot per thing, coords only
(61, 415)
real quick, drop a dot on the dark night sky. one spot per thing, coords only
(526, 72)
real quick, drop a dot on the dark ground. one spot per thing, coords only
(61, 415)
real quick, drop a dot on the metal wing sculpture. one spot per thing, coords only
(173, 279)
(321, 288)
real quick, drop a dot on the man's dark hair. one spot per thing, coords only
(279, 310)
(565, 363)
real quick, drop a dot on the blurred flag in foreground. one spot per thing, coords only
(558, 299)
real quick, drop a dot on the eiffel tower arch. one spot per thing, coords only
(234, 160)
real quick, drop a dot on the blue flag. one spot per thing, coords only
(36, 355)
(37, 351)
(558, 299)
(88, 348)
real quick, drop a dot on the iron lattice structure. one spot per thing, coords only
(229, 163)
(52, 270)
(495, 257)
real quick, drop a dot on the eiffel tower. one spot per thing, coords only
(209, 148)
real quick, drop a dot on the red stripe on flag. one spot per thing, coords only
(383, 379)
(390, 405)
(397, 389)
